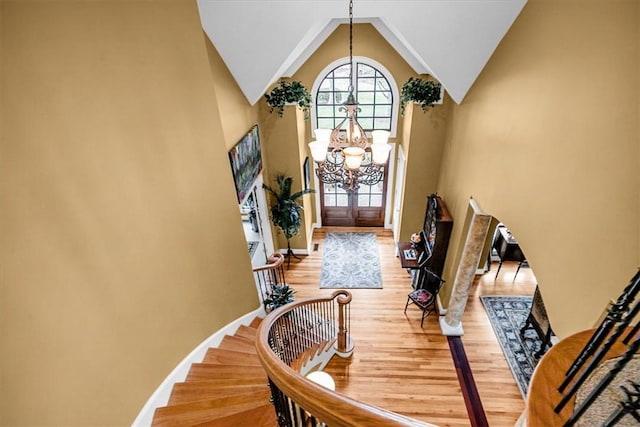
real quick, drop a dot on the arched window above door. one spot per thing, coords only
(374, 88)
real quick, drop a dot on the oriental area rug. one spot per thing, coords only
(350, 261)
(507, 314)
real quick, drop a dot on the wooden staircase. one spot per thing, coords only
(228, 388)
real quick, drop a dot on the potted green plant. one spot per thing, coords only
(423, 92)
(288, 92)
(280, 295)
(285, 211)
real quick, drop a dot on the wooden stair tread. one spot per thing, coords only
(206, 390)
(311, 353)
(262, 416)
(255, 322)
(238, 338)
(223, 356)
(206, 371)
(246, 332)
(229, 387)
(305, 356)
(231, 342)
(229, 381)
(209, 410)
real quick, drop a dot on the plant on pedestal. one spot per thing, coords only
(289, 93)
(423, 92)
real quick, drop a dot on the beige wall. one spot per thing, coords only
(281, 149)
(423, 142)
(122, 247)
(547, 141)
(308, 200)
(236, 115)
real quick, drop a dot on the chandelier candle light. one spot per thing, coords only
(352, 160)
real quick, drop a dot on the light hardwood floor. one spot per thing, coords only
(407, 369)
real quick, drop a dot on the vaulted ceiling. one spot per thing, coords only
(261, 41)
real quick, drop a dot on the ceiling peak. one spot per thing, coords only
(260, 41)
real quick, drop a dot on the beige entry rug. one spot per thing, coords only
(350, 261)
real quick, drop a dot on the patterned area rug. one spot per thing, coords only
(350, 261)
(507, 315)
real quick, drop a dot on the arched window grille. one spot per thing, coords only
(375, 90)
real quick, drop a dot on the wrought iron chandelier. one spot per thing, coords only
(351, 161)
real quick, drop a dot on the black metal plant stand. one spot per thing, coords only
(290, 254)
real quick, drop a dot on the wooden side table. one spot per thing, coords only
(404, 262)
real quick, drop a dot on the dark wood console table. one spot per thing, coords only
(404, 262)
(508, 249)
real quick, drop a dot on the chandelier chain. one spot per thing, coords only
(350, 45)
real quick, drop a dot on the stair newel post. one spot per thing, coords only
(344, 346)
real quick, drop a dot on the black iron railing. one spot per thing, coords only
(270, 275)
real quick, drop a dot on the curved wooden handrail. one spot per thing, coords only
(275, 260)
(543, 394)
(330, 407)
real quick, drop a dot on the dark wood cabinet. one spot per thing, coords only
(437, 230)
(431, 252)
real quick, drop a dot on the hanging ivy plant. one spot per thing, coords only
(423, 92)
(292, 92)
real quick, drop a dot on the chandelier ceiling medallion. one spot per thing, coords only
(351, 161)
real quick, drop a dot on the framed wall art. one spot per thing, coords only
(246, 162)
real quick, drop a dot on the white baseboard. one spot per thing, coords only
(448, 330)
(441, 309)
(522, 420)
(160, 397)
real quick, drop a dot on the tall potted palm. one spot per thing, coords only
(285, 211)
